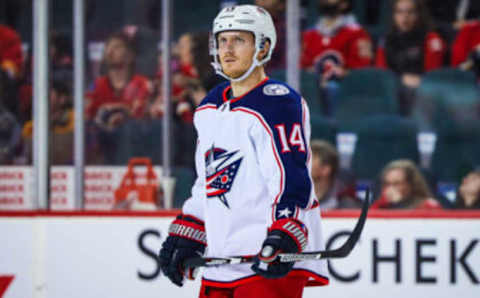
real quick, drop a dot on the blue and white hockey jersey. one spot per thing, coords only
(253, 166)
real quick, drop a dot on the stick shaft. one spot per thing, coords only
(341, 252)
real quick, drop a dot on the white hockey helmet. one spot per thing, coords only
(249, 18)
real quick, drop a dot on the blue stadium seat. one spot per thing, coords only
(446, 96)
(367, 92)
(381, 139)
(323, 128)
(449, 104)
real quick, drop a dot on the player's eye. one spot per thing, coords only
(222, 41)
(239, 40)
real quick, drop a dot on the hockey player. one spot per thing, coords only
(253, 194)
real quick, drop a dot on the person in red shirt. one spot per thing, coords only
(117, 105)
(410, 48)
(11, 67)
(121, 93)
(11, 56)
(184, 74)
(192, 72)
(466, 48)
(336, 36)
(336, 44)
(404, 187)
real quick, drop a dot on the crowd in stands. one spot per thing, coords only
(407, 41)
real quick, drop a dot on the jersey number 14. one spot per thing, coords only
(295, 139)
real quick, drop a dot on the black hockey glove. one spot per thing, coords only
(186, 239)
(285, 235)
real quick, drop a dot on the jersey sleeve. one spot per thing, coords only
(282, 148)
(194, 205)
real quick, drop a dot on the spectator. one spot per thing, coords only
(62, 124)
(11, 66)
(121, 93)
(193, 76)
(336, 44)
(184, 74)
(10, 137)
(11, 56)
(466, 48)
(117, 105)
(61, 62)
(410, 48)
(202, 61)
(469, 192)
(404, 187)
(277, 9)
(203, 77)
(331, 191)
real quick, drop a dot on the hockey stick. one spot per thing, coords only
(340, 252)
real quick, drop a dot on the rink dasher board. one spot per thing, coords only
(17, 186)
(113, 256)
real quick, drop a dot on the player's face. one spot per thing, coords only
(405, 15)
(235, 50)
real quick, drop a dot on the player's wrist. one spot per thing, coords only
(292, 228)
(188, 227)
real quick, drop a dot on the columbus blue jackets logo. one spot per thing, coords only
(221, 169)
